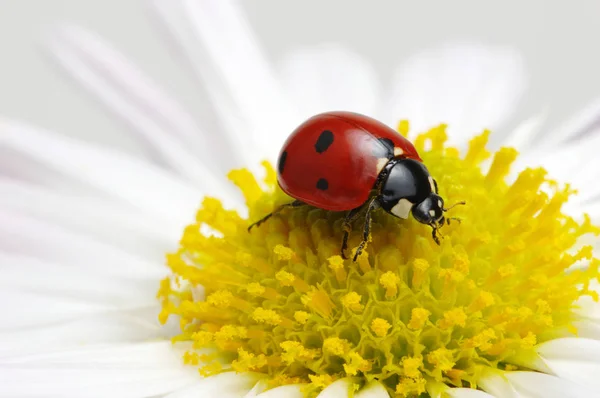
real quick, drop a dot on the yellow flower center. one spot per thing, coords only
(411, 314)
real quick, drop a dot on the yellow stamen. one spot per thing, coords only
(418, 318)
(380, 327)
(294, 351)
(389, 281)
(412, 367)
(301, 317)
(352, 301)
(336, 346)
(409, 387)
(356, 363)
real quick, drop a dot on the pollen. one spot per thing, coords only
(221, 298)
(282, 302)
(321, 381)
(352, 301)
(301, 317)
(336, 346)
(255, 289)
(283, 253)
(285, 278)
(389, 281)
(356, 363)
(266, 316)
(453, 317)
(294, 351)
(409, 387)
(380, 327)
(418, 318)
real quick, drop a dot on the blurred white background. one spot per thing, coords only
(558, 39)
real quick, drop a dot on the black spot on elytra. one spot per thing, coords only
(383, 148)
(281, 164)
(324, 141)
(322, 184)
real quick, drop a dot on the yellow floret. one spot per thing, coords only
(380, 327)
(352, 301)
(418, 318)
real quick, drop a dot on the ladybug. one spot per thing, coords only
(343, 161)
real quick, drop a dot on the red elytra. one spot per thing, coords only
(333, 159)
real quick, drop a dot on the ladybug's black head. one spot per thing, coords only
(407, 187)
(430, 211)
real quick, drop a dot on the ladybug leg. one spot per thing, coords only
(295, 203)
(347, 228)
(373, 205)
(434, 235)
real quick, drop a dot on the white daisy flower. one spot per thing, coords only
(505, 307)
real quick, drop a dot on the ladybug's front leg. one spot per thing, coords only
(347, 228)
(373, 205)
(295, 203)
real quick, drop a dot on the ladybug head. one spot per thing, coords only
(408, 188)
(430, 211)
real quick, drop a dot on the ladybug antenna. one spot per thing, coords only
(462, 202)
(458, 220)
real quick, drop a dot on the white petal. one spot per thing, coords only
(99, 55)
(259, 387)
(579, 165)
(574, 359)
(132, 180)
(531, 385)
(224, 385)
(29, 274)
(540, 385)
(158, 120)
(469, 87)
(288, 391)
(582, 124)
(338, 389)
(496, 384)
(592, 208)
(587, 307)
(588, 329)
(19, 167)
(587, 313)
(467, 393)
(178, 25)
(105, 220)
(24, 235)
(523, 136)
(242, 69)
(372, 390)
(35, 293)
(126, 370)
(95, 328)
(28, 309)
(330, 78)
